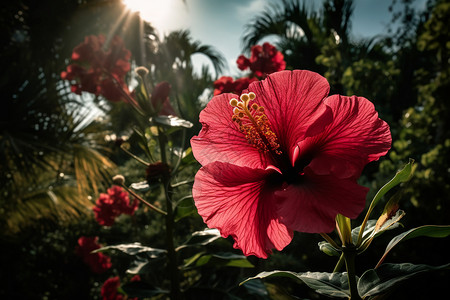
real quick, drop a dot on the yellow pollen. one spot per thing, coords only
(245, 97)
(254, 124)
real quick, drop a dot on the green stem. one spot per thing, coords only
(175, 292)
(135, 157)
(339, 264)
(151, 206)
(349, 256)
(330, 240)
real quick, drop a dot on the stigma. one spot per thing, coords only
(254, 124)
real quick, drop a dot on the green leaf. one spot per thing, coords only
(184, 208)
(437, 231)
(188, 157)
(370, 226)
(172, 121)
(326, 248)
(201, 238)
(382, 224)
(330, 284)
(380, 280)
(143, 264)
(219, 260)
(134, 249)
(401, 176)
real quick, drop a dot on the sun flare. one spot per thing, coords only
(156, 12)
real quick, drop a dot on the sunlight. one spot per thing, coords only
(156, 12)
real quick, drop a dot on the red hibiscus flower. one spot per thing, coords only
(111, 286)
(226, 84)
(109, 289)
(160, 99)
(264, 60)
(283, 157)
(100, 71)
(97, 262)
(111, 205)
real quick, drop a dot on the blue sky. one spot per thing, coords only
(221, 23)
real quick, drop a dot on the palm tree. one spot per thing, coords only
(53, 157)
(172, 62)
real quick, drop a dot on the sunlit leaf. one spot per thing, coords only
(201, 238)
(133, 249)
(330, 284)
(377, 281)
(172, 121)
(141, 186)
(143, 264)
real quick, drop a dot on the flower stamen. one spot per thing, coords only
(254, 124)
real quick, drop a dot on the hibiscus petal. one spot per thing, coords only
(237, 201)
(356, 137)
(312, 206)
(293, 102)
(220, 138)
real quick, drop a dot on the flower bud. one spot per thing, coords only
(141, 71)
(118, 180)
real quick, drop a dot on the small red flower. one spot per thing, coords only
(111, 205)
(111, 286)
(283, 157)
(264, 60)
(97, 262)
(226, 84)
(99, 71)
(109, 289)
(160, 99)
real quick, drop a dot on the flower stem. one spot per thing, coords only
(349, 256)
(151, 206)
(175, 292)
(339, 264)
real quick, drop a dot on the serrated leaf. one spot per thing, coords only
(438, 231)
(330, 284)
(172, 121)
(377, 281)
(201, 238)
(134, 249)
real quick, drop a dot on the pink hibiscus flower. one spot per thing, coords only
(283, 157)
